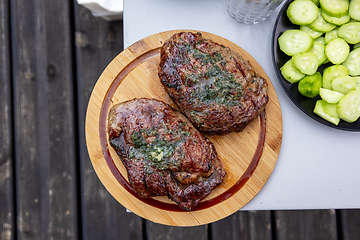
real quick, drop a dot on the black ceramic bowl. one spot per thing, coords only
(279, 58)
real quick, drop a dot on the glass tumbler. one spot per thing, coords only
(251, 11)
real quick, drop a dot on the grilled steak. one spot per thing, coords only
(214, 87)
(163, 153)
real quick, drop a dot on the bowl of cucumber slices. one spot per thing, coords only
(316, 55)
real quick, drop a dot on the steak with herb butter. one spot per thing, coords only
(163, 153)
(213, 86)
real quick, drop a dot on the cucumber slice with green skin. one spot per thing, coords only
(336, 20)
(306, 62)
(350, 32)
(337, 50)
(331, 72)
(335, 8)
(330, 96)
(295, 41)
(354, 9)
(312, 33)
(302, 12)
(344, 84)
(352, 62)
(290, 72)
(330, 35)
(321, 25)
(320, 40)
(348, 107)
(310, 85)
(356, 45)
(319, 50)
(327, 111)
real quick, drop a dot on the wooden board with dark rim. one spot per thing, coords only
(249, 156)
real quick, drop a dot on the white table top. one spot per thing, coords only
(318, 166)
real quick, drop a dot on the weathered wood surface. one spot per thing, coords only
(97, 43)
(45, 145)
(349, 224)
(7, 215)
(156, 231)
(244, 225)
(51, 54)
(306, 225)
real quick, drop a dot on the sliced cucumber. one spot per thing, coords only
(353, 62)
(290, 72)
(343, 84)
(306, 62)
(310, 85)
(350, 32)
(354, 9)
(320, 40)
(331, 72)
(356, 45)
(295, 41)
(336, 20)
(319, 50)
(314, 34)
(330, 35)
(335, 8)
(321, 25)
(337, 50)
(357, 83)
(348, 107)
(330, 96)
(302, 12)
(327, 111)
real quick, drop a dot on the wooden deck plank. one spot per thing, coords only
(156, 231)
(350, 224)
(44, 120)
(6, 155)
(306, 225)
(244, 225)
(97, 43)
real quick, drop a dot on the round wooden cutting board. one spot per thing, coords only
(249, 156)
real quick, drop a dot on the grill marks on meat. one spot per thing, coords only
(215, 88)
(164, 155)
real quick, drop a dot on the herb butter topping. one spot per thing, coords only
(208, 77)
(161, 145)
